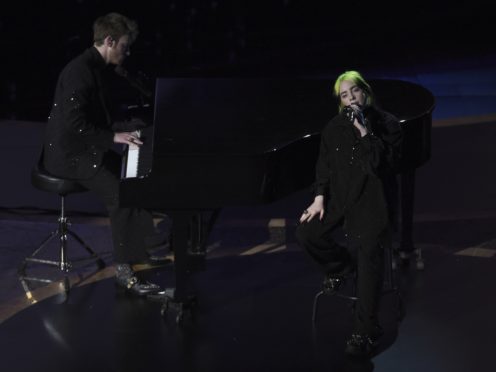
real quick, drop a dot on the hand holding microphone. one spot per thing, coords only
(354, 114)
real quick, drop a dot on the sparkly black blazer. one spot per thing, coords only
(78, 131)
(351, 171)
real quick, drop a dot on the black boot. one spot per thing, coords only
(362, 345)
(126, 278)
(332, 283)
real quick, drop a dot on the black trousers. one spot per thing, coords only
(130, 226)
(318, 238)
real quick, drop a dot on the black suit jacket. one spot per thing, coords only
(78, 131)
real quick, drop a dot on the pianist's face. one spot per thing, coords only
(119, 50)
(352, 94)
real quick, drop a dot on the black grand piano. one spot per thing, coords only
(218, 142)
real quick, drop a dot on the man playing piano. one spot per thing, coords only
(358, 152)
(79, 139)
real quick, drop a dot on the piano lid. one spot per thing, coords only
(259, 115)
(407, 101)
(241, 115)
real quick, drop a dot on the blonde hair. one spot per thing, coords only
(114, 25)
(356, 78)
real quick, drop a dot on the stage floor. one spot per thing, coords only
(254, 312)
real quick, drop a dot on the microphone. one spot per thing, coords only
(353, 112)
(121, 71)
(359, 113)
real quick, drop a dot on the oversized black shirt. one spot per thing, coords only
(351, 171)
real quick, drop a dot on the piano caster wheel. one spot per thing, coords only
(404, 258)
(180, 308)
(164, 309)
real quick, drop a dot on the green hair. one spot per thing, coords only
(356, 78)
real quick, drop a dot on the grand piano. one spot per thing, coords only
(218, 142)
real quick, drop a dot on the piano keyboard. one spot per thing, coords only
(137, 159)
(132, 161)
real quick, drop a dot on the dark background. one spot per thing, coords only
(238, 38)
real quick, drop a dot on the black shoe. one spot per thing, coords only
(361, 345)
(126, 278)
(331, 283)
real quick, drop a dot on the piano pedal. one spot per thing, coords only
(160, 255)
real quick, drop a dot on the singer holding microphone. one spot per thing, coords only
(359, 150)
(79, 138)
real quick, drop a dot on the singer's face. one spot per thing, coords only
(351, 94)
(119, 50)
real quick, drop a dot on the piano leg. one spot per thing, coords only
(189, 233)
(201, 225)
(407, 200)
(180, 298)
(407, 248)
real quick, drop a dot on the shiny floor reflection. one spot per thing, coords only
(254, 313)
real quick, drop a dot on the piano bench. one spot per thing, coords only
(44, 181)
